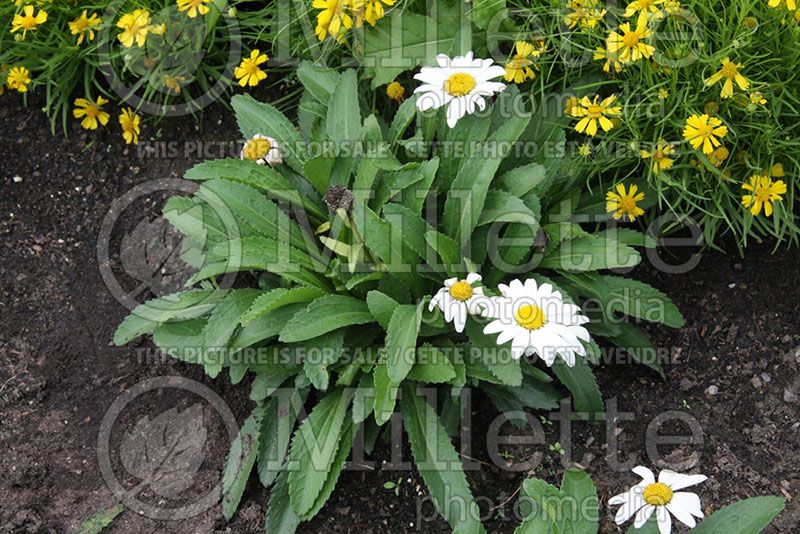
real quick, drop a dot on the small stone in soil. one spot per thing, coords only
(712, 390)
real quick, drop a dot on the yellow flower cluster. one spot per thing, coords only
(522, 65)
(92, 115)
(338, 16)
(630, 43)
(584, 13)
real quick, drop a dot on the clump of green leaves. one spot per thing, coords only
(337, 253)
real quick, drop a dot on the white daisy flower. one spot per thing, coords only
(263, 150)
(461, 83)
(458, 298)
(661, 497)
(536, 319)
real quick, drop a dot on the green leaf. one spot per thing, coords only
(324, 352)
(318, 172)
(641, 300)
(384, 241)
(574, 509)
(402, 118)
(324, 315)
(344, 117)
(583, 519)
(175, 307)
(275, 298)
(402, 41)
(247, 207)
(256, 117)
(221, 326)
(484, 11)
(467, 195)
(432, 366)
(410, 226)
(590, 253)
(522, 180)
(241, 458)
(261, 177)
(280, 415)
(538, 519)
(498, 360)
(446, 247)
(385, 392)
(364, 393)
(342, 452)
(580, 381)
(281, 518)
(264, 254)
(314, 448)
(267, 326)
(747, 516)
(100, 520)
(401, 340)
(381, 306)
(505, 207)
(439, 464)
(182, 340)
(532, 394)
(319, 81)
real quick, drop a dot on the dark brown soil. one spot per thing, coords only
(59, 373)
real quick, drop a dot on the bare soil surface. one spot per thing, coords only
(734, 366)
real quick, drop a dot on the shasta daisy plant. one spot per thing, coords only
(351, 278)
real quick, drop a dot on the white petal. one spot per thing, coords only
(516, 286)
(520, 344)
(494, 327)
(460, 317)
(631, 502)
(447, 308)
(437, 298)
(509, 333)
(431, 100)
(473, 277)
(450, 281)
(531, 286)
(687, 504)
(455, 111)
(643, 515)
(678, 481)
(647, 475)
(443, 60)
(664, 520)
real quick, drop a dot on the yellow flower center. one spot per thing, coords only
(520, 62)
(729, 70)
(459, 84)
(461, 291)
(763, 191)
(92, 111)
(250, 66)
(658, 494)
(28, 22)
(627, 204)
(256, 149)
(594, 111)
(530, 317)
(395, 91)
(630, 39)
